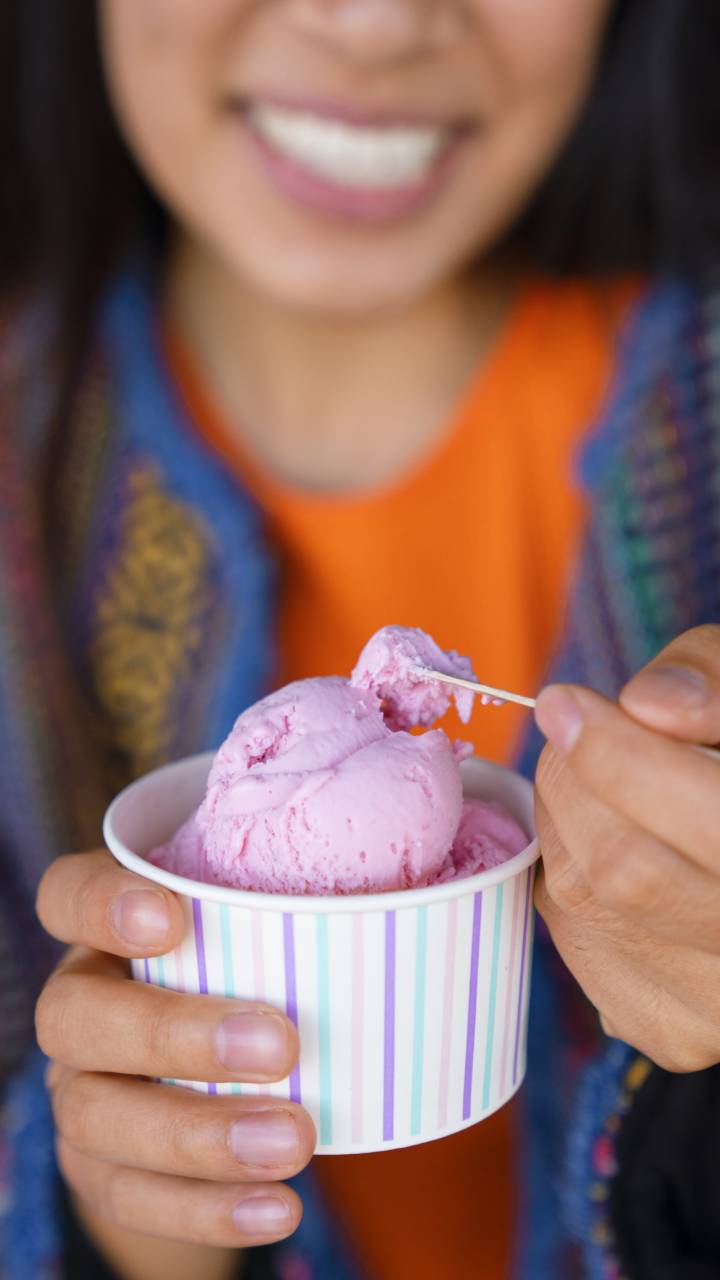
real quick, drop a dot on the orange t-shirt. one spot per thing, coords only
(474, 543)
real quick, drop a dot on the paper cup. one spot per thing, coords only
(411, 1006)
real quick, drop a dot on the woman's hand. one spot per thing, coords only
(155, 1158)
(628, 816)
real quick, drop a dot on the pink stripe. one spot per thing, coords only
(291, 994)
(200, 960)
(179, 979)
(511, 980)
(443, 1088)
(358, 995)
(257, 954)
(389, 1030)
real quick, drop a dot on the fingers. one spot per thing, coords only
(175, 1131)
(562, 878)
(623, 868)
(187, 1209)
(663, 786)
(601, 965)
(91, 1019)
(88, 898)
(610, 966)
(678, 693)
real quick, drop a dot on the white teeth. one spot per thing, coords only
(351, 155)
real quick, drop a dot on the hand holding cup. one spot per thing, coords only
(149, 1157)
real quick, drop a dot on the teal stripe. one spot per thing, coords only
(323, 986)
(227, 955)
(419, 1025)
(487, 1070)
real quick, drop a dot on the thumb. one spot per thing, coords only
(678, 693)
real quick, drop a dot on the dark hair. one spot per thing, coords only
(637, 187)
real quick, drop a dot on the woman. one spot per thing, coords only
(310, 307)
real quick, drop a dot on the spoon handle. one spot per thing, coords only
(486, 689)
(506, 696)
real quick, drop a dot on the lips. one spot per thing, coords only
(364, 170)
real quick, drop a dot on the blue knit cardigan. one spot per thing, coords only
(149, 626)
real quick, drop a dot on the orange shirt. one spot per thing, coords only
(475, 544)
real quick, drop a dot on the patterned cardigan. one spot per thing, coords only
(139, 634)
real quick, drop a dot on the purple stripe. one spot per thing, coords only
(389, 1069)
(291, 996)
(200, 946)
(472, 1005)
(528, 899)
(200, 956)
(147, 970)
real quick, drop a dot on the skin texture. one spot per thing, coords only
(628, 814)
(144, 1157)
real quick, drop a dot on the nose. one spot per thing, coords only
(382, 31)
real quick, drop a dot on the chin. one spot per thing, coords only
(345, 283)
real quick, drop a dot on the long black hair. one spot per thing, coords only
(636, 188)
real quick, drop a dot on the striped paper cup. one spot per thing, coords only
(411, 1006)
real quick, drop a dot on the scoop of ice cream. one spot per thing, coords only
(486, 837)
(184, 855)
(319, 788)
(394, 665)
(312, 792)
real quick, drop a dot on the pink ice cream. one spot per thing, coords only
(320, 789)
(394, 665)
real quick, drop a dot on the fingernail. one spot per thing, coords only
(255, 1042)
(681, 687)
(559, 717)
(262, 1215)
(141, 918)
(268, 1138)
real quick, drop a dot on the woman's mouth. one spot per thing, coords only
(362, 171)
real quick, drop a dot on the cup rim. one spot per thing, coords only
(326, 904)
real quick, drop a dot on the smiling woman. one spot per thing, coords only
(651, 58)
(474, 102)
(308, 309)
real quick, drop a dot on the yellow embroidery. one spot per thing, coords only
(637, 1074)
(150, 621)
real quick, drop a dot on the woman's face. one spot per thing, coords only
(342, 156)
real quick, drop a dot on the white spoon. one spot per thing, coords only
(486, 690)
